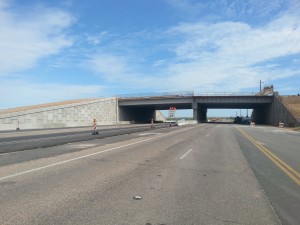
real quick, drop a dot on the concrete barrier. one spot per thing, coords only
(181, 122)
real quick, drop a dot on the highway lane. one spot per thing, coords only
(32, 154)
(14, 141)
(18, 135)
(184, 175)
(274, 155)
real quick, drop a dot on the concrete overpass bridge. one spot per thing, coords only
(142, 108)
(267, 108)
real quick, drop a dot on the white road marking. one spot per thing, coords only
(212, 130)
(92, 154)
(185, 154)
(82, 145)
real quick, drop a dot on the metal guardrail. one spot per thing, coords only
(185, 94)
(158, 94)
(225, 94)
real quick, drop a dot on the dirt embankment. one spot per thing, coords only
(293, 104)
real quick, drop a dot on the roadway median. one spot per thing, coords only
(43, 141)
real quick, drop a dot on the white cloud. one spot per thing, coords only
(111, 67)
(212, 55)
(219, 56)
(25, 37)
(209, 56)
(125, 72)
(259, 11)
(15, 93)
(96, 39)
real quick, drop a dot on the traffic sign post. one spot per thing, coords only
(172, 111)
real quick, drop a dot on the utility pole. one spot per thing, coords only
(260, 82)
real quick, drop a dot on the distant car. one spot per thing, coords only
(246, 120)
(172, 124)
(242, 120)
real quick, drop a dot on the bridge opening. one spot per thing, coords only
(240, 116)
(200, 108)
(178, 114)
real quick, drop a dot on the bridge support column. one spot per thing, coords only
(195, 112)
(199, 113)
(202, 114)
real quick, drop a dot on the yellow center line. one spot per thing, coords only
(293, 174)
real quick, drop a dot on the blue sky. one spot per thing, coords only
(68, 49)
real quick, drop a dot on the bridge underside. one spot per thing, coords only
(261, 111)
(144, 113)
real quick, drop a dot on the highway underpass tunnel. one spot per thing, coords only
(263, 114)
(240, 116)
(136, 114)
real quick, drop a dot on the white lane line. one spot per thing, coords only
(92, 154)
(185, 154)
(81, 145)
(212, 131)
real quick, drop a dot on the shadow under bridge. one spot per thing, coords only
(142, 109)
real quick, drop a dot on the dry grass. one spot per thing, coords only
(290, 99)
(293, 103)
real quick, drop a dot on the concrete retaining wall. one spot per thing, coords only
(72, 115)
(159, 116)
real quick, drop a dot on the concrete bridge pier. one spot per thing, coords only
(202, 114)
(199, 113)
(195, 112)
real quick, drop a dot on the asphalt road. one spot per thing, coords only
(274, 155)
(13, 141)
(200, 174)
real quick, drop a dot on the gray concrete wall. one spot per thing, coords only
(159, 116)
(71, 115)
